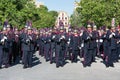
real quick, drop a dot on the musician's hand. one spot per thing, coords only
(5, 37)
(53, 37)
(101, 40)
(30, 37)
(79, 47)
(49, 40)
(81, 33)
(82, 45)
(118, 42)
(68, 42)
(110, 36)
(69, 39)
(97, 40)
(104, 35)
(2, 40)
(88, 37)
(27, 40)
(113, 34)
(16, 35)
(63, 37)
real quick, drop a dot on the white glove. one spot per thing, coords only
(30, 37)
(82, 45)
(110, 36)
(53, 37)
(49, 40)
(104, 35)
(69, 39)
(5, 37)
(88, 37)
(113, 34)
(16, 35)
(91, 35)
(118, 41)
(81, 33)
(44, 41)
(101, 40)
(63, 37)
(2, 40)
(27, 40)
(68, 42)
(79, 47)
(97, 40)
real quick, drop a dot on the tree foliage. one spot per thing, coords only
(17, 12)
(100, 12)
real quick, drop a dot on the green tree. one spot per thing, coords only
(17, 12)
(99, 11)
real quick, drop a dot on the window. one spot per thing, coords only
(62, 18)
(65, 18)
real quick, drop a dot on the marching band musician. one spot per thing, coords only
(112, 47)
(53, 38)
(60, 48)
(95, 35)
(16, 45)
(75, 45)
(28, 48)
(47, 42)
(4, 42)
(69, 35)
(118, 45)
(88, 46)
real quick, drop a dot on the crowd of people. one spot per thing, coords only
(57, 45)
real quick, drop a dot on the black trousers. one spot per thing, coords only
(27, 58)
(88, 56)
(1, 57)
(5, 58)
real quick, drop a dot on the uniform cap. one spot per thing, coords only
(75, 31)
(8, 26)
(29, 28)
(95, 26)
(89, 26)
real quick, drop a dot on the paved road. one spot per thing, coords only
(71, 71)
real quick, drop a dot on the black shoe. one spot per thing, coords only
(111, 65)
(6, 66)
(84, 65)
(30, 66)
(107, 65)
(94, 61)
(73, 61)
(24, 67)
(62, 64)
(47, 60)
(89, 65)
(51, 62)
(117, 61)
(0, 67)
(57, 66)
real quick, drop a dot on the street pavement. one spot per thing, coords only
(43, 70)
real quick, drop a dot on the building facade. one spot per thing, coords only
(62, 20)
